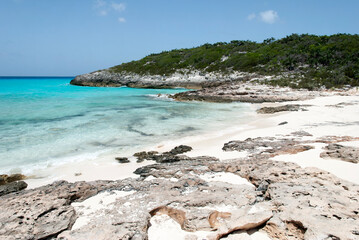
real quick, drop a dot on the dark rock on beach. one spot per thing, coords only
(165, 157)
(344, 153)
(122, 160)
(141, 156)
(5, 179)
(282, 123)
(180, 149)
(271, 110)
(12, 187)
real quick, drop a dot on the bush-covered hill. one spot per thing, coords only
(304, 61)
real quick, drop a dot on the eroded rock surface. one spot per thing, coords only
(286, 201)
(344, 153)
(287, 107)
(165, 157)
(12, 187)
(185, 78)
(5, 179)
(245, 92)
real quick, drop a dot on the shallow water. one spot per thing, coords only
(46, 120)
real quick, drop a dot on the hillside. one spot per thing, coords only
(298, 61)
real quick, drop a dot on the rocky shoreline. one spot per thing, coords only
(279, 199)
(183, 78)
(203, 197)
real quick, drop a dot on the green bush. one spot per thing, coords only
(330, 61)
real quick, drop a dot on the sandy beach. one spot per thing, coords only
(324, 117)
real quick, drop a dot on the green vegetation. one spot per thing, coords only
(299, 61)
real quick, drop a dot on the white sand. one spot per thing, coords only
(225, 177)
(164, 228)
(320, 120)
(89, 208)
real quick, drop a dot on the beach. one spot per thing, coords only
(250, 168)
(321, 119)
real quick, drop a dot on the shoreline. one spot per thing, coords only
(271, 178)
(105, 167)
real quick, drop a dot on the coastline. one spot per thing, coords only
(269, 178)
(316, 121)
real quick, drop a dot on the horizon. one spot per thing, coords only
(66, 38)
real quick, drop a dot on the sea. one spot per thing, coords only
(46, 121)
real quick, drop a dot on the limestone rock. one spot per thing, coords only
(122, 160)
(180, 149)
(5, 179)
(244, 92)
(271, 110)
(12, 187)
(344, 153)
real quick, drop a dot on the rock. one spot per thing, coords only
(283, 123)
(166, 157)
(12, 187)
(5, 179)
(180, 149)
(141, 156)
(184, 78)
(285, 200)
(344, 153)
(122, 160)
(43, 212)
(271, 110)
(245, 92)
(268, 146)
(301, 134)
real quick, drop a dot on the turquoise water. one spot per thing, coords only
(44, 120)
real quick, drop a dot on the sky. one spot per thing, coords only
(71, 37)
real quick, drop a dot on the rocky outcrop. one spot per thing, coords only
(268, 146)
(11, 183)
(288, 107)
(183, 78)
(281, 199)
(344, 153)
(12, 187)
(165, 157)
(122, 160)
(244, 92)
(5, 179)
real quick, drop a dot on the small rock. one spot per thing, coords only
(12, 187)
(122, 160)
(271, 110)
(78, 174)
(5, 179)
(180, 149)
(283, 123)
(344, 153)
(144, 155)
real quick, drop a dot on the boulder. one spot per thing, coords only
(122, 160)
(12, 187)
(284, 108)
(344, 153)
(5, 179)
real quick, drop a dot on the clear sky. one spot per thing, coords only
(70, 37)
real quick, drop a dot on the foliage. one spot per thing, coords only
(330, 61)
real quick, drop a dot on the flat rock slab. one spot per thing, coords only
(344, 153)
(286, 201)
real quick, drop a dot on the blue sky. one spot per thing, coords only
(70, 37)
